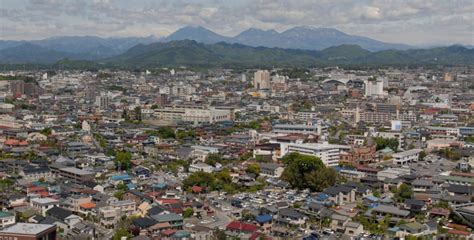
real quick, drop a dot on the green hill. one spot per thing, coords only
(193, 54)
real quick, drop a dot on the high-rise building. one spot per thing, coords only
(261, 79)
(162, 99)
(17, 87)
(374, 88)
(102, 101)
(448, 77)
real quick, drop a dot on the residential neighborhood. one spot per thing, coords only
(237, 154)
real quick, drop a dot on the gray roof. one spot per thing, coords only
(27, 228)
(168, 217)
(391, 210)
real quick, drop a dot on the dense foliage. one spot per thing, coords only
(304, 171)
(382, 143)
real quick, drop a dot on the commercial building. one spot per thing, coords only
(74, 174)
(29, 231)
(403, 158)
(330, 154)
(197, 114)
(374, 88)
(299, 128)
(261, 79)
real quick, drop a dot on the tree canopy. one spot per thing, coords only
(303, 171)
(386, 142)
(123, 160)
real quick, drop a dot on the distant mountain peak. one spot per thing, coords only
(299, 37)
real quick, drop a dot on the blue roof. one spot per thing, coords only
(131, 186)
(322, 196)
(393, 229)
(181, 234)
(372, 198)
(160, 185)
(263, 218)
(120, 177)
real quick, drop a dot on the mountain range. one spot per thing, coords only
(198, 46)
(191, 53)
(75, 47)
(308, 38)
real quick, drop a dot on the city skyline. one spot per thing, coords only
(418, 23)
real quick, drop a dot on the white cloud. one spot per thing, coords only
(406, 21)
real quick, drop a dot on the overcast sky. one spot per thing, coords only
(417, 22)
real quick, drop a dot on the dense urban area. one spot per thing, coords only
(283, 153)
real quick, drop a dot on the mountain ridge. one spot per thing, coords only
(299, 37)
(191, 53)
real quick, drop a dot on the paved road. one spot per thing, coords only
(221, 219)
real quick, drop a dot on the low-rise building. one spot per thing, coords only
(406, 157)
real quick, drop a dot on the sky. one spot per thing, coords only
(415, 22)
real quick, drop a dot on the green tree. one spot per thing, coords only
(403, 192)
(303, 171)
(422, 156)
(119, 194)
(253, 168)
(46, 131)
(123, 160)
(138, 113)
(202, 179)
(213, 158)
(166, 132)
(382, 143)
(120, 233)
(188, 212)
(121, 187)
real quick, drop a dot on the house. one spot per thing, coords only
(341, 194)
(353, 229)
(421, 185)
(288, 216)
(238, 227)
(264, 222)
(32, 173)
(141, 172)
(381, 211)
(109, 216)
(137, 196)
(201, 233)
(61, 217)
(126, 207)
(74, 202)
(460, 190)
(43, 204)
(82, 231)
(414, 205)
(271, 170)
(201, 167)
(6, 219)
(174, 220)
(415, 229)
(338, 222)
(144, 224)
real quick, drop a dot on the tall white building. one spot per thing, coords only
(374, 88)
(329, 154)
(103, 100)
(261, 79)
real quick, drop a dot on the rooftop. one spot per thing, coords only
(28, 228)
